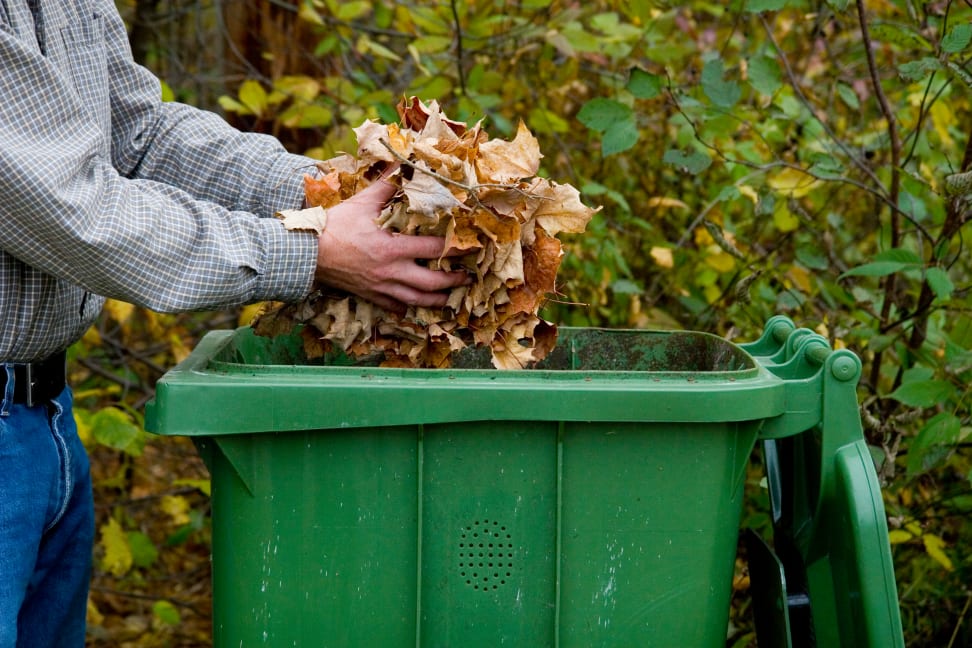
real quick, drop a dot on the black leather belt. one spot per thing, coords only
(36, 382)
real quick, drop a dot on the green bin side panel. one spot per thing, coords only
(323, 553)
(649, 533)
(489, 507)
(449, 535)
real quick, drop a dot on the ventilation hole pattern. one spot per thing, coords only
(485, 555)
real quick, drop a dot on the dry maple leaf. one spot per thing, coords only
(484, 198)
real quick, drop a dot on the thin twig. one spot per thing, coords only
(958, 624)
(459, 55)
(795, 84)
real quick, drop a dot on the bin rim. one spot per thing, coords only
(201, 397)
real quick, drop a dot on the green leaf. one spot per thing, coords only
(933, 442)
(848, 96)
(580, 39)
(144, 553)
(756, 6)
(957, 38)
(597, 189)
(924, 393)
(722, 93)
(825, 166)
(352, 10)
(886, 263)
(728, 194)
(114, 428)
(940, 283)
(366, 45)
(432, 44)
(694, 162)
(167, 613)
(899, 34)
(644, 85)
(620, 136)
(600, 114)
(919, 69)
(545, 122)
(765, 75)
(626, 287)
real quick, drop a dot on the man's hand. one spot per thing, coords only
(356, 255)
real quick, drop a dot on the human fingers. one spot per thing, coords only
(413, 275)
(379, 191)
(421, 247)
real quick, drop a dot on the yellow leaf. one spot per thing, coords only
(202, 485)
(84, 428)
(95, 617)
(898, 536)
(749, 192)
(784, 219)
(178, 348)
(309, 14)
(663, 256)
(118, 554)
(662, 201)
(91, 337)
(793, 182)
(800, 278)
(177, 508)
(249, 313)
(942, 117)
(720, 261)
(934, 546)
(118, 310)
(703, 238)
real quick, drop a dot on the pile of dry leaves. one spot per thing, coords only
(484, 197)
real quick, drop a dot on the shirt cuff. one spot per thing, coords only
(287, 191)
(290, 260)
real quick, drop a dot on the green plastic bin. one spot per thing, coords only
(592, 501)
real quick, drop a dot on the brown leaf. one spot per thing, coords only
(415, 114)
(502, 162)
(560, 208)
(323, 191)
(483, 197)
(370, 148)
(312, 219)
(427, 197)
(541, 262)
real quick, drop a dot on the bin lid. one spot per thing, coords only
(237, 382)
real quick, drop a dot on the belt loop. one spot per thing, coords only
(8, 392)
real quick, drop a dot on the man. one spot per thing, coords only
(107, 192)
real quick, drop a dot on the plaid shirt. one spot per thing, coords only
(106, 190)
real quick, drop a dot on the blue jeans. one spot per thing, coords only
(46, 524)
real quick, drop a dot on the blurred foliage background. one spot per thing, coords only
(753, 157)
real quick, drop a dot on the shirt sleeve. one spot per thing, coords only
(162, 210)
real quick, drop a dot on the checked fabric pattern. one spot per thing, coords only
(107, 191)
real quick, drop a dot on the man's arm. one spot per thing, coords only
(131, 234)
